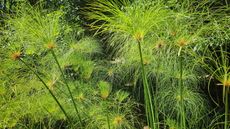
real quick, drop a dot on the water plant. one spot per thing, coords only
(49, 24)
(218, 68)
(34, 34)
(51, 70)
(145, 23)
(129, 22)
(136, 64)
(65, 81)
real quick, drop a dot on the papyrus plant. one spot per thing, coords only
(132, 21)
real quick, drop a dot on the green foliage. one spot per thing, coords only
(217, 65)
(170, 47)
(34, 30)
(165, 32)
(104, 88)
(26, 103)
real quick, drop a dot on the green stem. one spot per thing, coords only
(108, 121)
(147, 93)
(156, 91)
(65, 81)
(40, 79)
(226, 109)
(182, 118)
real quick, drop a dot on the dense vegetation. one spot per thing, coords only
(114, 64)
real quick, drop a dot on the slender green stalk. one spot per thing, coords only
(226, 108)
(182, 117)
(156, 93)
(147, 94)
(108, 121)
(55, 98)
(65, 81)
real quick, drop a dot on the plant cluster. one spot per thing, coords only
(150, 64)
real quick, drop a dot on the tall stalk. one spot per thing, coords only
(65, 81)
(225, 87)
(43, 82)
(147, 93)
(182, 117)
(221, 73)
(108, 121)
(226, 108)
(156, 93)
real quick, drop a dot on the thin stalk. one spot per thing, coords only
(108, 121)
(182, 118)
(156, 92)
(40, 79)
(226, 109)
(147, 93)
(65, 81)
(156, 113)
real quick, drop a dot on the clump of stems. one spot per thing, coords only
(65, 81)
(182, 117)
(18, 57)
(149, 107)
(218, 67)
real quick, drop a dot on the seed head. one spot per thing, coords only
(51, 45)
(160, 44)
(16, 55)
(182, 42)
(110, 72)
(146, 61)
(80, 97)
(105, 89)
(117, 120)
(105, 94)
(226, 82)
(138, 36)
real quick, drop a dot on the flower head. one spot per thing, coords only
(104, 94)
(51, 45)
(182, 42)
(105, 89)
(226, 82)
(160, 44)
(110, 72)
(138, 36)
(17, 55)
(146, 61)
(118, 120)
(80, 97)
